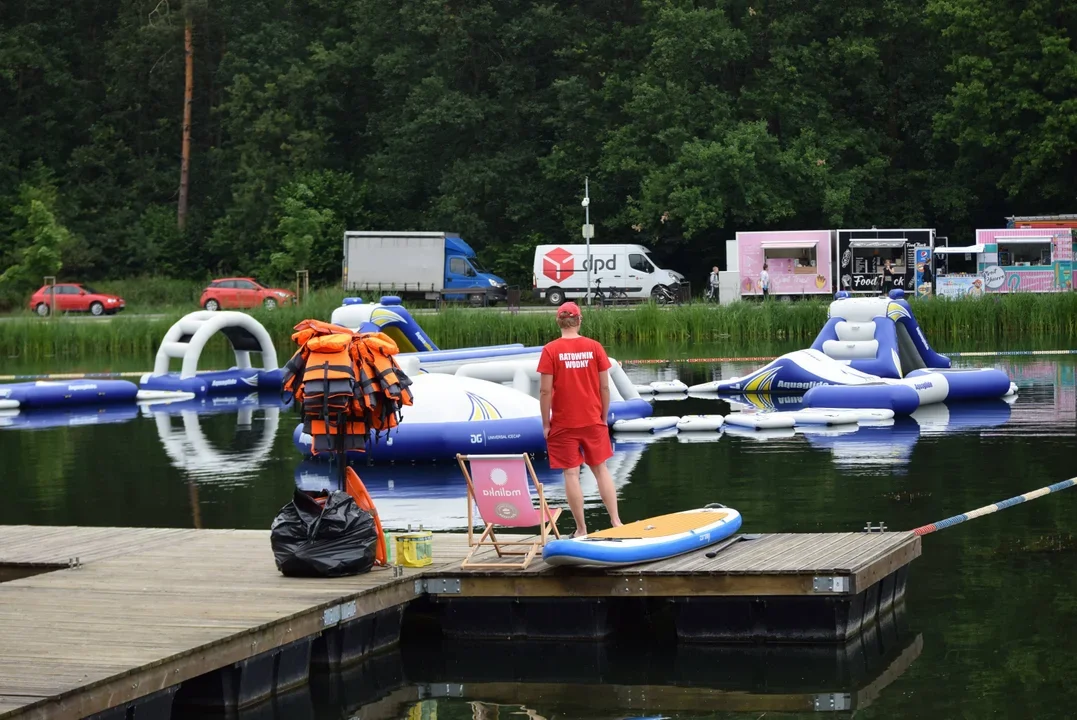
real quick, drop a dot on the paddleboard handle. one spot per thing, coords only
(714, 505)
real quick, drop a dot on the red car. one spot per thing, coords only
(228, 293)
(74, 297)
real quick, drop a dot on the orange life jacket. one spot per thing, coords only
(349, 385)
(354, 486)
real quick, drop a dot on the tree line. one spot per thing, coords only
(692, 120)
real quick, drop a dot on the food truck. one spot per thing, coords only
(1042, 221)
(798, 262)
(1035, 259)
(862, 255)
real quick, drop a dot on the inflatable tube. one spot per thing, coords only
(417, 442)
(760, 420)
(863, 415)
(628, 410)
(52, 393)
(215, 381)
(647, 540)
(758, 435)
(700, 423)
(645, 424)
(815, 416)
(970, 383)
(9, 404)
(901, 399)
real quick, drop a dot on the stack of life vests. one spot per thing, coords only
(347, 384)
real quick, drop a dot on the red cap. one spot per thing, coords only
(568, 309)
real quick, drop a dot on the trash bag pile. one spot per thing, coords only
(325, 534)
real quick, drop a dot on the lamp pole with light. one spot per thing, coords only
(588, 231)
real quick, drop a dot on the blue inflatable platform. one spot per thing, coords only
(871, 354)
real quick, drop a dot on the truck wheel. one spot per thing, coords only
(555, 296)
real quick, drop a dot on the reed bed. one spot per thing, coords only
(1004, 320)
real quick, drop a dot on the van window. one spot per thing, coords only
(459, 266)
(638, 262)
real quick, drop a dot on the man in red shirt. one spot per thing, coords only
(574, 400)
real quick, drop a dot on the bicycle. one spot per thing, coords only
(610, 297)
(666, 296)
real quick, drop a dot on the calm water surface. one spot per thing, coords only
(989, 629)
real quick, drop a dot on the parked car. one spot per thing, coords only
(242, 292)
(74, 297)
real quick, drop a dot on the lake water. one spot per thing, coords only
(991, 607)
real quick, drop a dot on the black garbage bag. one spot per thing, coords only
(312, 540)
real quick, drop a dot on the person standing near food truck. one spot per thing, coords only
(764, 281)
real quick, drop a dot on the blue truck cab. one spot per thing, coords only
(463, 271)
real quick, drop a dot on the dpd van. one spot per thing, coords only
(560, 271)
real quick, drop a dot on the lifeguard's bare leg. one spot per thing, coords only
(607, 491)
(574, 494)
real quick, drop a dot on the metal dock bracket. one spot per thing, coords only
(437, 586)
(830, 584)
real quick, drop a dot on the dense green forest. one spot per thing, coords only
(693, 120)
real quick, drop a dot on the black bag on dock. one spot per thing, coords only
(312, 540)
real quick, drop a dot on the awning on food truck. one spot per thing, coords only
(863, 243)
(789, 244)
(956, 250)
(1023, 240)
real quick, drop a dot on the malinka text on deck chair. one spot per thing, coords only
(498, 485)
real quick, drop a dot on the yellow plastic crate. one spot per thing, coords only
(414, 549)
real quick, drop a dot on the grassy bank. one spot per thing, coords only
(1003, 320)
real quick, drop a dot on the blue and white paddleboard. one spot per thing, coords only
(656, 538)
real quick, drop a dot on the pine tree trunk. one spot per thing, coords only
(188, 95)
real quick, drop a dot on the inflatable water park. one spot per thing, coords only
(869, 363)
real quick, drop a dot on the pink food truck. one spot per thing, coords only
(798, 262)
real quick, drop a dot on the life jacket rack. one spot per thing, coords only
(348, 387)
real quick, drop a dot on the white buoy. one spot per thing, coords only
(700, 423)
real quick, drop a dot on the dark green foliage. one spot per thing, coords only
(692, 119)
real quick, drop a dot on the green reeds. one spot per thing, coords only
(1003, 320)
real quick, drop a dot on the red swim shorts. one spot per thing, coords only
(572, 447)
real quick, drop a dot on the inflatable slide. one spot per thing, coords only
(870, 354)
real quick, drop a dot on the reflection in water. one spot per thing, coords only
(436, 495)
(190, 450)
(598, 680)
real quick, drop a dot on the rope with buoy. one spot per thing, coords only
(994, 507)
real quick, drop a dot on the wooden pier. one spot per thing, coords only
(94, 620)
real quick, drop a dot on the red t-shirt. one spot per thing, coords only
(575, 364)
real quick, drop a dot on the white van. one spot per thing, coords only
(560, 271)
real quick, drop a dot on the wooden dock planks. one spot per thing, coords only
(150, 608)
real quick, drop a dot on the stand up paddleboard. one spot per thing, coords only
(656, 538)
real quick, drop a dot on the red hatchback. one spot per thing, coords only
(227, 293)
(74, 297)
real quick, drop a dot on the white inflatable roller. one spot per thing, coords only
(662, 386)
(700, 423)
(862, 415)
(811, 416)
(9, 404)
(645, 424)
(761, 421)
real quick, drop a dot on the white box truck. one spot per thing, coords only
(560, 271)
(415, 264)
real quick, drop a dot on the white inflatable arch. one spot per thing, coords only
(187, 338)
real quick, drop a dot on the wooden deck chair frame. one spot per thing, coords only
(489, 539)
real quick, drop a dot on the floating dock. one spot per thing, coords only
(125, 622)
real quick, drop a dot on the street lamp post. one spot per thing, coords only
(588, 231)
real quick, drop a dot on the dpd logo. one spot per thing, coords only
(557, 264)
